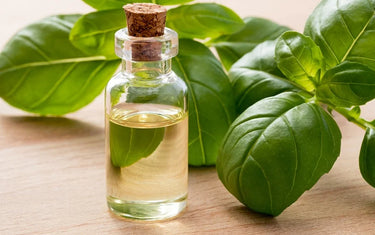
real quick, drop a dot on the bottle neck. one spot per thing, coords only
(148, 70)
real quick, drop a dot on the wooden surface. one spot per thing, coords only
(52, 174)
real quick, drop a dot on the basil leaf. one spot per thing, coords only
(256, 76)
(344, 30)
(299, 58)
(355, 112)
(203, 20)
(129, 145)
(113, 4)
(367, 157)
(94, 33)
(231, 48)
(262, 58)
(211, 104)
(277, 149)
(347, 84)
(42, 72)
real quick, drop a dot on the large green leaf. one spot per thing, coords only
(277, 149)
(211, 104)
(256, 76)
(367, 157)
(203, 20)
(300, 59)
(94, 33)
(128, 145)
(344, 30)
(231, 48)
(347, 84)
(42, 72)
(113, 4)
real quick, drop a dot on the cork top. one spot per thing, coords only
(145, 19)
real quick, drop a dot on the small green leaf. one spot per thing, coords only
(203, 20)
(42, 72)
(211, 104)
(94, 33)
(355, 112)
(255, 76)
(299, 58)
(344, 30)
(115, 4)
(128, 145)
(231, 48)
(347, 84)
(276, 150)
(367, 157)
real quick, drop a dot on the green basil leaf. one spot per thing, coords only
(256, 76)
(231, 48)
(344, 30)
(347, 84)
(128, 145)
(299, 58)
(211, 104)
(94, 33)
(277, 149)
(113, 4)
(203, 20)
(42, 72)
(367, 157)
(355, 112)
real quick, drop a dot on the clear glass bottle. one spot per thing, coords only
(146, 130)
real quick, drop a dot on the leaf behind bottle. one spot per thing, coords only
(94, 32)
(42, 72)
(211, 104)
(203, 20)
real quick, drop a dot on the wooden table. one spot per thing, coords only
(52, 176)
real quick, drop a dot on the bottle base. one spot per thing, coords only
(147, 210)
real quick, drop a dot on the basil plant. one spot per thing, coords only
(284, 140)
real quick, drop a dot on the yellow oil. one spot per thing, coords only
(147, 160)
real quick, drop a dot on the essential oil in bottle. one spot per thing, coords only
(146, 121)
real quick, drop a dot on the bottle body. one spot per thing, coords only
(146, 141)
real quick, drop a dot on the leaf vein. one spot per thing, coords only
(287, 123)
(18, 85)
(357, 38)
(54, 88)
(52, 62)
(34, 45)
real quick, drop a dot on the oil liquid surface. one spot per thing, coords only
(147, 160)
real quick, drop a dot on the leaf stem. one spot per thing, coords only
(364, 124)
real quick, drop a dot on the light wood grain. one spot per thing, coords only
(52, 179)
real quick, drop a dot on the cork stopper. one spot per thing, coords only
(145, 19)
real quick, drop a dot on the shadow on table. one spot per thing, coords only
(38, 129)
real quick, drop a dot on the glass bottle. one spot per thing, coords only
(146, 130)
